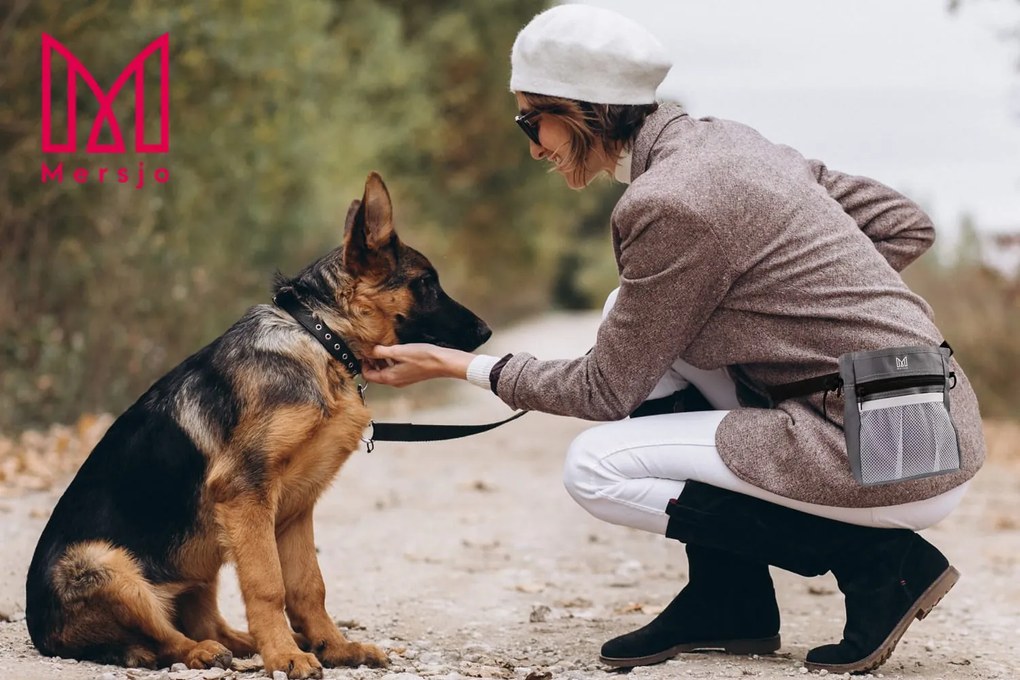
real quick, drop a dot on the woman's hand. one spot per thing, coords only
(402, 365)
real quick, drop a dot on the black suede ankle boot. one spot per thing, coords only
(728, 604)
(886, 586)
(889, 576)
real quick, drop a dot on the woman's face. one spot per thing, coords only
(555, 142)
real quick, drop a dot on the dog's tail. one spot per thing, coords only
(84, 569)
(60, 578)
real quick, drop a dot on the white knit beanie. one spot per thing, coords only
(589, 54)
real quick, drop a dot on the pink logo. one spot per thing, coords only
(74, 69)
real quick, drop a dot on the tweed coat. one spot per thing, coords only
(736, 252)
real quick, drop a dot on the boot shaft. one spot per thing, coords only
(809, 545)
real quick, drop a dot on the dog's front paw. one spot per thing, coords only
(208, 654)
(296, 665)
(239, 643)
(373, 656)
(352, 654)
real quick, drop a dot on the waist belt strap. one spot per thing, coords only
(821, 383)
(802, 388)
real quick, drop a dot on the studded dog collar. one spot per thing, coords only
(326, 336)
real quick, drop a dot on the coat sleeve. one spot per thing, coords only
(673, 275)
(900, 230)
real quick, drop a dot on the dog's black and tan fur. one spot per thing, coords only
(223, 459)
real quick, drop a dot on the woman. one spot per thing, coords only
(742, 266)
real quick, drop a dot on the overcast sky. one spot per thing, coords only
(904, 91)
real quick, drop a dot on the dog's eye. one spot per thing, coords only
(425, 286)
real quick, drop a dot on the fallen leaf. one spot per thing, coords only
(1005, 523)
(630, 608)
(349, 624)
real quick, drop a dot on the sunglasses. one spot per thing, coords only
(529, 123)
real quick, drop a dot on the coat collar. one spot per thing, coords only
(622, 171)
(649, 134)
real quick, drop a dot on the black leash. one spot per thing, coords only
(339, 350)
(410, 432)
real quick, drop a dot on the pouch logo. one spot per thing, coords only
(900, 363)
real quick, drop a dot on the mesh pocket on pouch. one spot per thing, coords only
(897, 417)
(906, 436)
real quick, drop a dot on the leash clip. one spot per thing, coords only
(370, 440)
(362, 388)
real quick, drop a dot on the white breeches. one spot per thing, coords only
(626, 472)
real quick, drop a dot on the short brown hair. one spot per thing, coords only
(591, 126)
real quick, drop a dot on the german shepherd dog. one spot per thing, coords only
(223, 459)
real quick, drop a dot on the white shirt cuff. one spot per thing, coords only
(479, 369)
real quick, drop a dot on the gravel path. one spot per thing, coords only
(467, 559)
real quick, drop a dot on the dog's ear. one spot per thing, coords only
(370, 242)
(351, 212)
(378, 210)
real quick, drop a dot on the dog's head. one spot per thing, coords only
(376, 290)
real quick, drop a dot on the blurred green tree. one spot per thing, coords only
(977, 308)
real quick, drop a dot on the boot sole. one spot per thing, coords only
(739, 647)
(920, 609)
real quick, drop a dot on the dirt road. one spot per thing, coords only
(467, 559)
